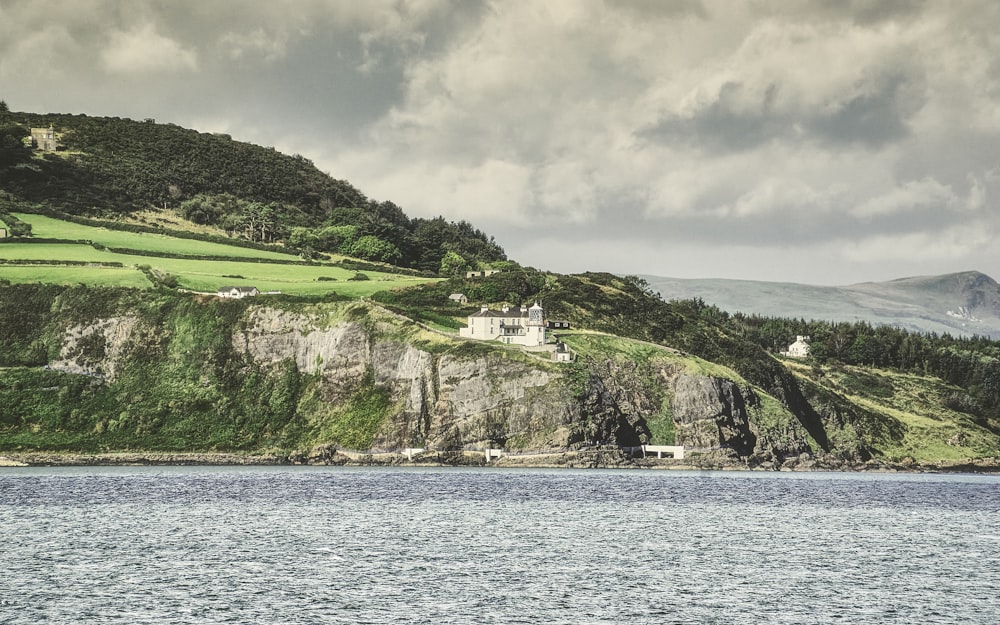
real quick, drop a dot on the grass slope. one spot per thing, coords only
(930, 431)
(191, 273)
(49, 228)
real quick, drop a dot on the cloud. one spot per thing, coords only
(727, 132)
(255, 43)
(143, 50)
(956, 242)
(797, 83)
(911, 195)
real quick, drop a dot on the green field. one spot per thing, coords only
(49, 228)
(90, 276)
(193, 274)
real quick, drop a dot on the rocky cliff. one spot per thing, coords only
(306, 376)
(499, 397)
(110, 371)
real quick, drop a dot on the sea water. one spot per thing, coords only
(390, 545)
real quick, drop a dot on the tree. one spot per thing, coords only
(369, 247)
(452, 264)
(260, 222)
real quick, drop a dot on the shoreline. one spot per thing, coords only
(595, 459)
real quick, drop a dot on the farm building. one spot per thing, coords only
(238, 292)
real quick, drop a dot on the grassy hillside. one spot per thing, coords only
(923, 427)
(118, 168)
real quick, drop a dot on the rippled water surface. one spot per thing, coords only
(348, 545)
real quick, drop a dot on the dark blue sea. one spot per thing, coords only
(350, 545)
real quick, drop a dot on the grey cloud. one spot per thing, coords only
(709, 234)
(861, 12)
(724, 125)
(874, 118)
(664, 8)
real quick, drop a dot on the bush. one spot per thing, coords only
(358, 277)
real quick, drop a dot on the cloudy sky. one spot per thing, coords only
(820, 142)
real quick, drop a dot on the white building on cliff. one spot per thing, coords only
(513, 326)
(798, 349)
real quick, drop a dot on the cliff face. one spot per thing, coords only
(188, 374)
(448, 401)
(440, 401)
(711, 412)
(95, 349)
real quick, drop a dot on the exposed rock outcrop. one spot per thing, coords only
(711, 413)
(618, 403)
(454, 402)
(272, 336)
(492, 400)
(96, 348)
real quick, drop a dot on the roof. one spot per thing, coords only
(241, 289)
(499, 314)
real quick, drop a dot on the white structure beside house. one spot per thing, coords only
(798, 349)
(459, 298)
(481, 274)
(237, 292)
(562, 353)
(513, 326)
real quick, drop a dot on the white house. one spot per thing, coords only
(44, 139)
(513, 326)
(458, 298)
(237, 292)
(798, 349)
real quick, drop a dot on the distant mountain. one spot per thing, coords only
(965, 304)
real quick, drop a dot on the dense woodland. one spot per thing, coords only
(107, 167)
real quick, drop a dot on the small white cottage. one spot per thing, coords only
(237, 292)
(798, 349)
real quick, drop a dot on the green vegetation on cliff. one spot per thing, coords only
(178, 382)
